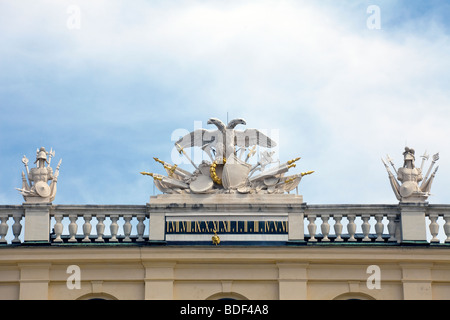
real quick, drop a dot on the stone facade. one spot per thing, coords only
(164, 250)
(179, 272)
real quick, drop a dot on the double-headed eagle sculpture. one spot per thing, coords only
(227, 172)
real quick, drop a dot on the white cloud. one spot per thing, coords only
(341, 95)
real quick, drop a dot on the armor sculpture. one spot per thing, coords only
(410, 176)
(35, 187)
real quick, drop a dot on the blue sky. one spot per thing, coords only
(108, 96)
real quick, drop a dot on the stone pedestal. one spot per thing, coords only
(194, 218)
(37, 222)
(413, 223)
(156, 225)
(183, 200)
(296, 227)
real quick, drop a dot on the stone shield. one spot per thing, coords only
(202, 184)
(235, 173)
(408, 188)
(42, 189)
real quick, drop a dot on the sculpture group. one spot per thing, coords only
(406, 186)
(228, 171)
(35, 187)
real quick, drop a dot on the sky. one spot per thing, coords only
(110, 84)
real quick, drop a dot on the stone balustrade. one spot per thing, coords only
(435, 214)
(11, 216)
(121, 224)
(352, 223)
(98, 224)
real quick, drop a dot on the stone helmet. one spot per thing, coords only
(41, 155)
(409, 154)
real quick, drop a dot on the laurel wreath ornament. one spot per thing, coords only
(212, 171)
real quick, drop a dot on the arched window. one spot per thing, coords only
(227, 296)
(97, 296)
(354, 296)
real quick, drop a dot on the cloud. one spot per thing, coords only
(340, 95)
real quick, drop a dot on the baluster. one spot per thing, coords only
(351, 227)
(312, 228)
(58, 227)
(434, 227)
(447, 226)
(114, 227)
(325, 227)
(73, 227)
(398, 231)
(87, 227)
(3, 227)
(365, 227)
(140, 228)
(100, 228)
(17, 227)
(127, 227)
(379, 227)
(392, 227)
(338, 227)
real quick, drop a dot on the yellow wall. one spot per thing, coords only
(188, 272)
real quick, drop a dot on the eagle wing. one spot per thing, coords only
(251, 137)
(198, 138)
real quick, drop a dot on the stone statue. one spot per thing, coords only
(227, 172)
(410, 176)
(35, 187)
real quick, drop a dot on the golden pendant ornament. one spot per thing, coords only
(212, 170)
(215, 238)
